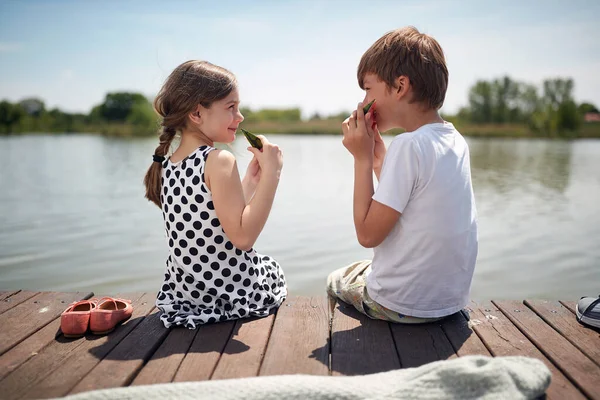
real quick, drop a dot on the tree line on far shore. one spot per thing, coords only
(550, 110)
(546, 111)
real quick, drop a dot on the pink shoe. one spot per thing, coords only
(108, 313)
(74, 321)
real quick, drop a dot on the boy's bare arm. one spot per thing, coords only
(379, 150)
(377, 173)
(373, 221)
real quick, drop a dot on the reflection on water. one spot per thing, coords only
(522, 161)
(74, 217)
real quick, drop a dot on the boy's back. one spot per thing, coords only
(425, 265)
(421, 220)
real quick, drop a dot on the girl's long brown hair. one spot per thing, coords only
(192, 83)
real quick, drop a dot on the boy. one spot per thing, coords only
(421, 220)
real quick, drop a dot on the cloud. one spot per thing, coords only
(9, 47)
(528, 53)
(304, 54)
(66, 75)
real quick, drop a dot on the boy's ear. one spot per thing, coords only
(402, 86)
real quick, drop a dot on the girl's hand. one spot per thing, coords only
(358, 139)
(253, 172)
(270, 158)
(251, 179)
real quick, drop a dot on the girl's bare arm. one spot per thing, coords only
(242, 221)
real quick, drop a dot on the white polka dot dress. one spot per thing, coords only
(208, 279)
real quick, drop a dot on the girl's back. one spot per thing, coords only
(212, 217)
(207, 278)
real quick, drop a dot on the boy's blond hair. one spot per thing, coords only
(408, 52)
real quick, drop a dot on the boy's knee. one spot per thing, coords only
(329, 283)
(330, 293)
(332, 286)
(331, 277)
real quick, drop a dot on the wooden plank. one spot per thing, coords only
(421, 344)
(64, 362)
(587, 340)
(299, 342)
(575, 365)
(7, 293)
(502, 338)
(462, 337)
(360, 345)
(245, 349)
(23, 320)
(204, 353)
(120, 366)
(12, 299)
(166, 361)
(17, 383)
(29, 348)
(569, 305)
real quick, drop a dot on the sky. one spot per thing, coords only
(285, 53)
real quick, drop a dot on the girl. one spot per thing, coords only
(212, 219)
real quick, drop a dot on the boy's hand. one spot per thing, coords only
(379, 146)
(357, 138)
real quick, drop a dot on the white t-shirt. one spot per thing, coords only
(424, 267)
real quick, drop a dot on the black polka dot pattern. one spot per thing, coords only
(208, 279)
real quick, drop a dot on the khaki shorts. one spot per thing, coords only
(349, 285)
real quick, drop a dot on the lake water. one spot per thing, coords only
(73, 215)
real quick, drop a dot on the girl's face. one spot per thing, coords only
(220, 122)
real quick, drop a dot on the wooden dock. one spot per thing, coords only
(307, 335)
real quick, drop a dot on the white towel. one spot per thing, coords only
(472, 377)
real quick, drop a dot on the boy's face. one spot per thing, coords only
(385, 104)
